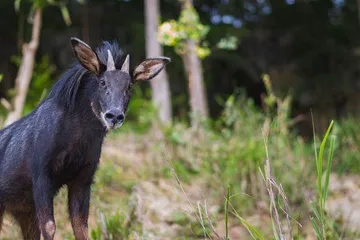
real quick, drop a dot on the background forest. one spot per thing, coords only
(251, 132)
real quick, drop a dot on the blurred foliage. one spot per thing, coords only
(192, 229)
(111, 227)
(232, 150)
(174, 33)
(229, 43)
(40, 4)
(112, 175)
(347, 158)
(317, 56)
(41, 82)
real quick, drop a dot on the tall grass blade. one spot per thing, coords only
(255, 234)
(314, 136)
(316, 212)
(319, 207)
(316, 228)
(320, 159)
(320, 172)
(274, 229)
(328, 169)
(227, 213)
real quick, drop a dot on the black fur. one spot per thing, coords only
(59, 144)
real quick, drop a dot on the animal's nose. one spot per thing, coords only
(114, 116)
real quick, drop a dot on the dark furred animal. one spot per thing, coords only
(59, 143)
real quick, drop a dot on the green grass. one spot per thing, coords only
(231, 151)
(347, 155)
(322, 225)
(320, 222)
(254, 233)
(226, 156)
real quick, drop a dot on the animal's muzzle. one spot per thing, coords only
(114, 117)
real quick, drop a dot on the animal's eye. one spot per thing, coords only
(130, 87)
(102, 83)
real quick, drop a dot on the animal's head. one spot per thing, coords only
(114, 86)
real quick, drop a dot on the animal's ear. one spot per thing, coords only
(86, 56)
(149, 68)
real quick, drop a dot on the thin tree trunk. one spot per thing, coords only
(23, 78)
(161, 96)
(193, 67)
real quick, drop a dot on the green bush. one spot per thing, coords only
(347, 157)
(231, 150)
(41, 82)
(111, 227)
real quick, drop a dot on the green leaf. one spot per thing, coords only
(65, 14)
(39, 4)
(316, 212)
(17, 5)
(188, 26)
(316, 228)
(228, 43)
(255, 234)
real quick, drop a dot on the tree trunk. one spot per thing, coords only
(23, 78)
(161, 96)
(193, 67)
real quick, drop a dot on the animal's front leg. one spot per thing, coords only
(43, 198)
(79, 202)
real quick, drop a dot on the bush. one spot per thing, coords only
(347, 157)
(111, 227)
(230, 151)
(41, 82)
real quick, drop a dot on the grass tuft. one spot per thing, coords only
(320, 222)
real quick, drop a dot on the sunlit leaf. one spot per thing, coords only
(228, 43)
(17, 5)
(65, 15)
(188, 26)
